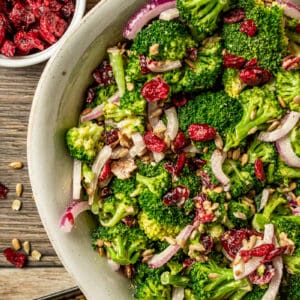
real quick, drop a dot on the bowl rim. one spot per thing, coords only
(32, 59)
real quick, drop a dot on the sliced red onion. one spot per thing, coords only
(149, 11)
(264, 198)
(191, 149)
(178, 293)
(102, 157)
(67, 220)
(169, 14)
(172, 123)
(217, 160)
(163, 66)
(76, 179)
(113, 265)
(290, 8)
(296, 211)
(152, 107)
(227, 255)
(286, 152)
(138, 145)
(158, 156)
(269, 234)
(288, 123)
(163, 257)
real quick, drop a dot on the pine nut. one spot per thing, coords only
(86, 111)
(253, 114)
(273, 126)
(218, 189)
(219, 142)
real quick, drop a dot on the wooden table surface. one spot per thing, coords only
(46, 276)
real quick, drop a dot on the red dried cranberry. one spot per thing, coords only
(208, 242)
(297, 29)
(52, 23)
(170, 167)
(233, 61)
(192, 54)
(16, 258)
(259, 251)
(276, 252)
(179, 100)
(251, 64)
(259, 170)
(5, 22)
(156, 89)
(90, 95)
(154, 143)
(177, 196)
(47, 36)
(194, 163)
(105, 192)
(201, 132)
(180, 141)
(106, 171)
(21, 17)
(8, 48)
(258, 279)
(26, 41)
(3, 191)
(68, 10)
(143, 65)
(291, 62)
(2, 34)
(249, 27)
(111, 136)
(255, 76)
(234, 16)
(103, 74)
(54, 6)
(180, 163)
(129, 221)
(188, 262)
(206, 180)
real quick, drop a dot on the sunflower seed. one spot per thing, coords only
(19, 189)
(281, 102)
(16, 165)
(16, 204)
(26, 247)
(36, 255)
(16, 244)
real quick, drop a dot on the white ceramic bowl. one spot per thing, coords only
(56, 108)
(33, 59)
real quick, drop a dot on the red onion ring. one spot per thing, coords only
(289, 121)
(144, 15)
(191, 149)
(169, 14)
(172, 123)
(290, 8)
(217, 160)
(113, 265)
(76, 179)
(152, 107)
(264, 198)
(163, 66)
(286, 152)
(158, 156)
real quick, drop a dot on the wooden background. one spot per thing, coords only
(38, 278)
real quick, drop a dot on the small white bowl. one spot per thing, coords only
(56, 107)
(33, 59)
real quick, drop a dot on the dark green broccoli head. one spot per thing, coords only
(123, 187)
(216, 109)
(257, 292)
(239, 214)
(113, 111)
(291, 287)
(163, 40)
(102, 94)
(285, 173)
(205, 71)
(201, 15)
(268, 46)
(123, 244)
(134, 101)
(266, 107)
(265, 151)
(233, 85)
(288, 87)
(85, 141)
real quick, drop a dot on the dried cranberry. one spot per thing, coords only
(143, 65)
(259, 251)
(177, 196)
(5, 23)
(233, 61)
(201, 132)
(194, 163)
(259, 170)
(156, 89)
(3, 191)
(291, 62)
(265, 278)
(129, 221)
(175, 169)
(8, 48)
(208, 242)
(251, 64)
(297, 29)
(105, 192)
(255, 76)
(105, 172)
(21, 17)
(153, 142)
(234, 16)
(192, 54)
(103, 74)
(188, 262)
(180, 141)
(16, 258)
(111, 136)
(179, 100)
(249, 27)
(276, 252)
(90, 95)
(206, 180)
(27, 41)
(52, 23)
(54, 6)
(68, 10)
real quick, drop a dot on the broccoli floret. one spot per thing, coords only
(257, 292)
(147, 284)
(292, 262)
(288, 87)
(285, 172)
(115, 208)
(84, 142)
(269, 45)
(204, 72)
(266, 106)
(114, 112)
(221, 286)
(201, 15)
(123, 187)
(239, 214)
(177, 280)
(216, 109)
(102, 94)
(132, 124)
(173, 79)
(292, 290)
(233, 85)
(163, 40)
(123, 244)
(189, 179)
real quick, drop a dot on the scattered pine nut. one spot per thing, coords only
(19, 189)
(26, 247)
(218, 189)
(16, 244)
(16, 204)
(36, 255)
(281, 102)
(16, 165)
(128, 271)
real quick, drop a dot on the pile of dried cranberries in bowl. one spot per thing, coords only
(30, 26)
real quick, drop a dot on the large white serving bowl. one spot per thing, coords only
(56, 106)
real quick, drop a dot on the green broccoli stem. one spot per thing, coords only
(293, 36)
(175, 280)
(116, 61)
(272, 205)
(120, 213)
(225, 276)
(239, 295)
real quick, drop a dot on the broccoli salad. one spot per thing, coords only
(187, 151)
